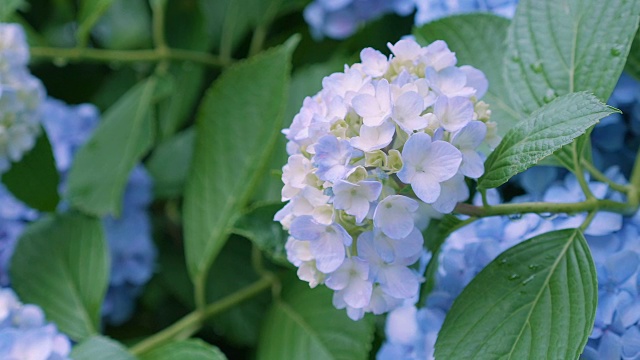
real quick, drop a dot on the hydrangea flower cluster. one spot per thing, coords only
(132, 250)
(339, 19)
(20, 97)
(383, 142)
(25, 334)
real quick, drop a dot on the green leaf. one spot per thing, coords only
(238, 325)
(100, 348)
(101, 167)
(174, 111)
(34, 179)
(8, 7)
(192, 349)
(61, 263)
(536, 300)
(303, 324)
(477, 40)
(90, 12)
(238, 123)
(564, 46)
(168, 181)
(633, 61)
(268, 235)
(541, 134)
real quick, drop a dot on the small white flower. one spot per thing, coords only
(467, 141)
(427, 164)
(374, 108)
(393, 216)
(374, 137)
(453, 113)
(355, 199)
(351, 281)
(374, 63)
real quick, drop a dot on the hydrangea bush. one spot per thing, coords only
(455, 179)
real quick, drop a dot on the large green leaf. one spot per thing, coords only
(478, 40)
(541, 134)
(168, 181)
(192, 349)
(100, 348)
(563, 46)
(101, 168)
(536, 300)
(174, 111)
(34, 179)
(303, 324)
(633, 61)
(62, 264)
(237, 127)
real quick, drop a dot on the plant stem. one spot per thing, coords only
(192, 322)
(599, 176)
(584, 185)
(544, 207)
(108, 56)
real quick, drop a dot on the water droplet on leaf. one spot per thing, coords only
(527, 280)
(514, 277)
(615, 51)
(549, 96)
(537, 67)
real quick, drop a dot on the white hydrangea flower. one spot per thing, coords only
(382, 141)
(20, 97)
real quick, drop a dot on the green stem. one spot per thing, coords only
(192, 322)
(585, 224)
(599, 176)
(159, 41)
(158, 9)
(584, 185)
(544, 207)
(634, 186)
(108, 56)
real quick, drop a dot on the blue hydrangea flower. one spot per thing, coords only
(339, 19)
(25, 334)
(385, 142)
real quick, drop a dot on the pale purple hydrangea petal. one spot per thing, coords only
(393, 216)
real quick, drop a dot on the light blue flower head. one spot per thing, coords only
(385, 145)
(25, 334)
